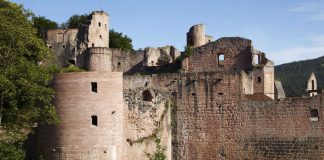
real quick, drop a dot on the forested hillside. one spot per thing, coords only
(295, 75)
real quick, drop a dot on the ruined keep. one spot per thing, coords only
(221, 102)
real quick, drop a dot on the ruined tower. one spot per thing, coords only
(98, 56)
(196, 36)
(98, 29)
(88, 104)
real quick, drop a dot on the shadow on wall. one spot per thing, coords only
(243, 58)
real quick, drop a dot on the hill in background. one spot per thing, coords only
(294, 75)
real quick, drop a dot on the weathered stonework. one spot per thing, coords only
(221, 103)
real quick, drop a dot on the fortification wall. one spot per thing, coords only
(222, 55)
(210, 125)
(63, 43)
(129, 62)
(148, 108)
(80, 135)
(98, 59)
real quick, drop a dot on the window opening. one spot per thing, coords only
(314, 114)
(94, 87)
(221, 59)
(147, 96)
(94, 120)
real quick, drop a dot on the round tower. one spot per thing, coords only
(90, 108)
(98, 31)
(196, 36)
(98, 59)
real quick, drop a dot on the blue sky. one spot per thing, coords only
(286, 30)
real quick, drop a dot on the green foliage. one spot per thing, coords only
(294, 76)
(159, 152)
(163, 59)
(43, 24)
(11, 144)
(71, 68)
(187, 52)
(75, 21)
(118, 40)
(25, 98)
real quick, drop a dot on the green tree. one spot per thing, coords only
(75, 21)
(116, 39)
(25, 98)
(43, 24)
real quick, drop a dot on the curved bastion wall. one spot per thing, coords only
(89, 106)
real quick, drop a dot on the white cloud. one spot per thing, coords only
(296, 54)
(306, 7)
(314, 11)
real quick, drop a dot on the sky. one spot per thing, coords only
(286, 30)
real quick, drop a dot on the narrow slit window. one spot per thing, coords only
(63, 46)
(94, 120)
(259, 79)
(92, 44)
(105, 26)
(99, 24)
(94, 87)
(100, 36)
(314, 115)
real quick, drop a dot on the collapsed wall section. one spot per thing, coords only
(148, 106)
(225, 54)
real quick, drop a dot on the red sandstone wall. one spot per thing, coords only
(211, 127)
(76, 137)
(237, 53)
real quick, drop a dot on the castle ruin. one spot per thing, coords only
(220, 102)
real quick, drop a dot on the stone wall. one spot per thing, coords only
(98, 59)
(77, 137)
(129, 62)
(237, 53)
(210, 125)
(148, 108)
(63, 43)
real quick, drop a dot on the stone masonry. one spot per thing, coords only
(219, 102)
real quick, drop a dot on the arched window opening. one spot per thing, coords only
(92, 44)
(147, 96)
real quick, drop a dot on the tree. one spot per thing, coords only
(43, 24)
(25, 97)
(116, 39)
(75, 21)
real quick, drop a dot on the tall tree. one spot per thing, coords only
(43, 24)
(25, 98)
(75, 21)
(118, 40)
